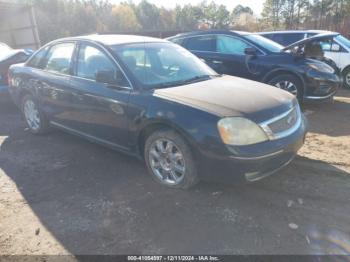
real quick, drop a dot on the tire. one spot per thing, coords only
(35, 120)
(346, 75)
(297, 88)
(165, 149)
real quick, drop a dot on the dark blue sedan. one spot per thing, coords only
(155, 100)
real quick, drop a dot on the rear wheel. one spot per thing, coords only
(289, 83)
(34, 118)
(346, 75)
(169, 160)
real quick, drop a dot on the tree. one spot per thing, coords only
(60, 18)
(216, 16)
(272, 13)
(148, 16)
(239, 9)
(124, 18)
(240, 16)
(167, 19)
(187, 17)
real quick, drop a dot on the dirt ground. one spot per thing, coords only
(63, 195)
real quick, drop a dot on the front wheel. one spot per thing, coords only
(289, 83)
(169, 160)
(34, 118)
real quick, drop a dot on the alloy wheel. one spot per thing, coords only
(31, 115)
(167, 162)
(347, 78)
(288, 86)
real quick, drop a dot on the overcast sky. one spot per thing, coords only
(256, 5)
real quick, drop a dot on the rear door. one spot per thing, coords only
(204, 47)
(53, 81)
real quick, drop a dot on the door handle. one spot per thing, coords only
(217, 62)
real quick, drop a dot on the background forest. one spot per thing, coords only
(59, 18)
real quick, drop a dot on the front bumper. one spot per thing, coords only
(252, 163)
(321, 86)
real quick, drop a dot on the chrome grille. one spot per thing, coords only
(284, 124)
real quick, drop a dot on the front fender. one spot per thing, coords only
(146, 112)
(277, 71)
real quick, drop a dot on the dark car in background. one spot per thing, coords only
(337, 49)
(155, 100)
(8, 57)
(254, 57)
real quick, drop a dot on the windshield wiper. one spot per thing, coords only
(187, 81)
(200, 78)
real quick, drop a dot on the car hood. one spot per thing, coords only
(318, 37)
(232, 96)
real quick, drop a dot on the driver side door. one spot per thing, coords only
(101, 108)
(230, 51)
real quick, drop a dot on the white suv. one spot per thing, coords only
(337, 50)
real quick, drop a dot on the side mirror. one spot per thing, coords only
(106, 77)
(335, 48)
(250, 51)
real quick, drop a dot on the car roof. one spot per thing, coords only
(113, 39)
(209, 32)
(295, 31)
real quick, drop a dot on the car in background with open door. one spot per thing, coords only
(254, 57)
(337, 49)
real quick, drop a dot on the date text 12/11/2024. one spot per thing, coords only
(173, 258)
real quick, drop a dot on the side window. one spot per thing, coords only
(37, 60)
(92, 60)
(331, 46)
(138, 62)
(201, 43)
(326, 45)
(59, 58)
(231, 45)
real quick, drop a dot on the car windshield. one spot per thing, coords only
(343, 40)
(158, 65)
(265, 43)
(5, 50)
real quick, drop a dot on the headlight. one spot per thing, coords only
(240, 131)
(324, 68)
